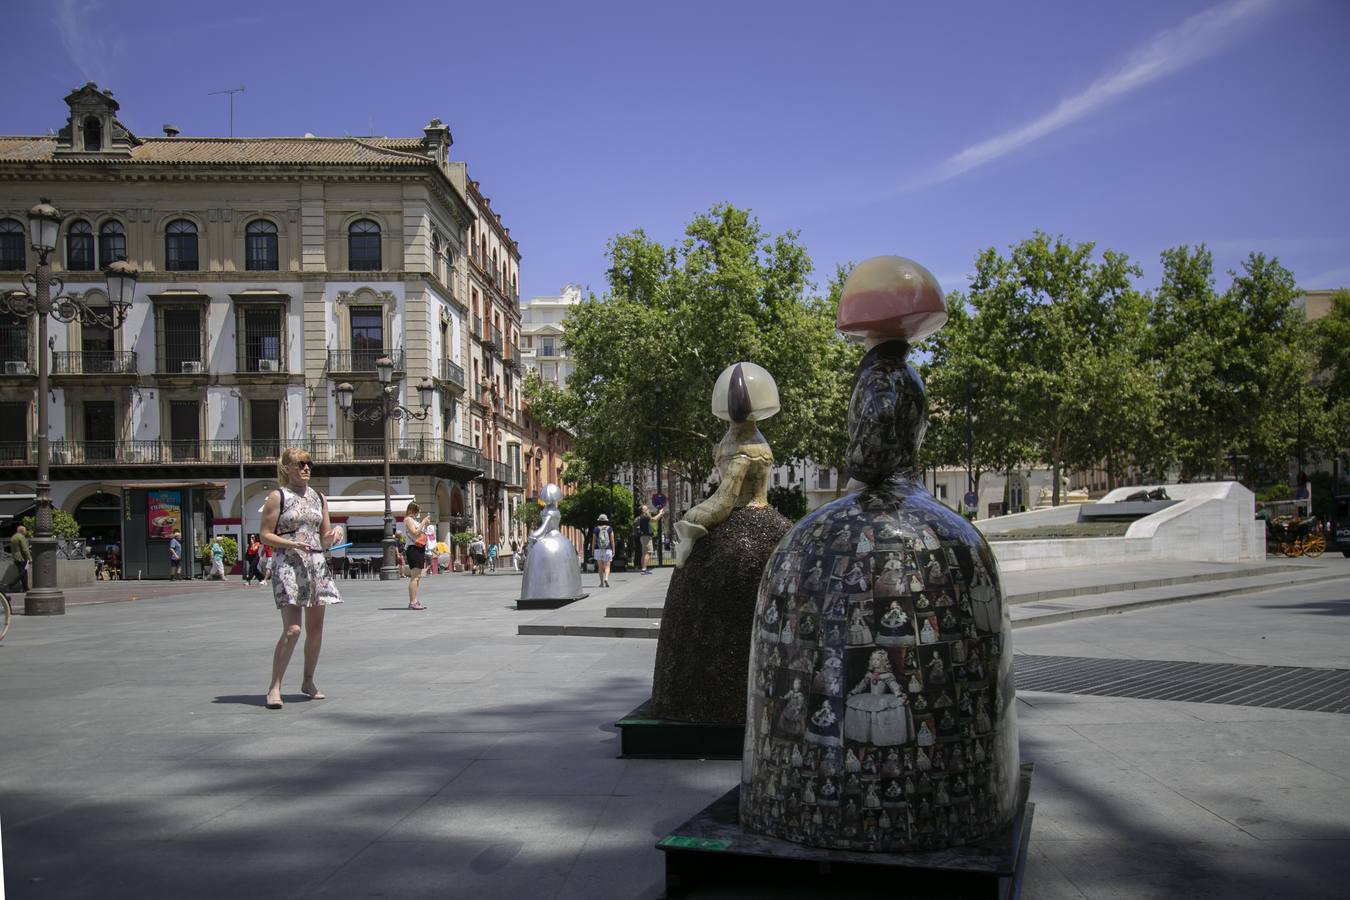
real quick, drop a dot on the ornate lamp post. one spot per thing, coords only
(388, 409)
(41, 296)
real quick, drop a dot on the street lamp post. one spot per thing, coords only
(388, 410)
(43, 295)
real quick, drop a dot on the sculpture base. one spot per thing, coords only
(711, 848)
(644, 737)
(549, 604)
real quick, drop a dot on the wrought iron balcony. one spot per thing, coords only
(94, 362)
(227, 452)
(497, 339)
(452, 372)
(362, 362)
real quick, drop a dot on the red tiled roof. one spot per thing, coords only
(345, 151)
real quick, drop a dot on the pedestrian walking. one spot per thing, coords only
(644, 530)
(602, 547)
(176, 556)
(217, 551)
(492, 557)
(22, 553)
(295, 521)
(515, 555)
(253, 557)
(417, 551)
(478, 552)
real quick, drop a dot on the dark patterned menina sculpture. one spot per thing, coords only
(880, 713)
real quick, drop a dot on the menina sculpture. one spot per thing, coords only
(552, 569)
(880, 714)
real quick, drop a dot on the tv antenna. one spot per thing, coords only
(231, 92)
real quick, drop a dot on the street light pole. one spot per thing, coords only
(36, 300)
(389, 561)
(387, 411)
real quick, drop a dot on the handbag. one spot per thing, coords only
(421, 539)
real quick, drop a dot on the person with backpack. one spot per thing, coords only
(602, 547)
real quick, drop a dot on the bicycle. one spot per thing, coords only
(7, 611)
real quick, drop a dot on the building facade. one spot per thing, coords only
(495, 423)
(272, 270)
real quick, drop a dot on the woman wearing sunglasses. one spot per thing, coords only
(295, 522)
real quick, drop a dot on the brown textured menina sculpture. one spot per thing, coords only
(880, 713)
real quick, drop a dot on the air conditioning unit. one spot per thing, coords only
(269, 365)
(193, 367)
(16, 367)
(407, 453)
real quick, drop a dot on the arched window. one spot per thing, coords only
(112, 242)
(180, 246)
(93, 135)
(260, 246)
(12, 237)
(363, 246)
(79, 247)
(436, 255)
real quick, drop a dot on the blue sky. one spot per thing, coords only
(923, 129)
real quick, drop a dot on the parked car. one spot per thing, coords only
(1338, 525)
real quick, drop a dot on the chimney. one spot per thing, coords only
(171, 131)
(437, 140)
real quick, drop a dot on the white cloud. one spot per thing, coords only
(86, 45)
(1198, 37)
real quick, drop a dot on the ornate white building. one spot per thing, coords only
(272, 269)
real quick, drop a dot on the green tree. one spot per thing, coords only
(1331, 340)
(790, 501)
(647, 354)
(63, 524)
(583, 508)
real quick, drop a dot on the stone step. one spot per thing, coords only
(1027, 609)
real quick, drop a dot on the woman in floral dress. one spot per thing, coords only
(295, 522)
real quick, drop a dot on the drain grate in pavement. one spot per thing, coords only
(1282, 687)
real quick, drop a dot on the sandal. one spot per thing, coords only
(417, 605)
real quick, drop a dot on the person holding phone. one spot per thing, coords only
(417, 551)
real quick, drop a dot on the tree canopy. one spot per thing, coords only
(1052, 355)
(647, 353)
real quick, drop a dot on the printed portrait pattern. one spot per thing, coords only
(881, 714)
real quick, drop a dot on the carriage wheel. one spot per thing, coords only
(1294, 549)
(1315, 545)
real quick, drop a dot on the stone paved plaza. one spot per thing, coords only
(456, 758)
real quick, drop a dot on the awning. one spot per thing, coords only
(14, 506)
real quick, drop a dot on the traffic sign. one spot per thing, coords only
(659, 501)
(971, 500)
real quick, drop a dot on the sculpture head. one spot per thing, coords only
(890, 302)
(745, 392)
(889, 297)
(550, 495)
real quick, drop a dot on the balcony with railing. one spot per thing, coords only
(362, 362)
(476, 326)
(452, 373)
(497, 339)
(227, 452)
(94, 362)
